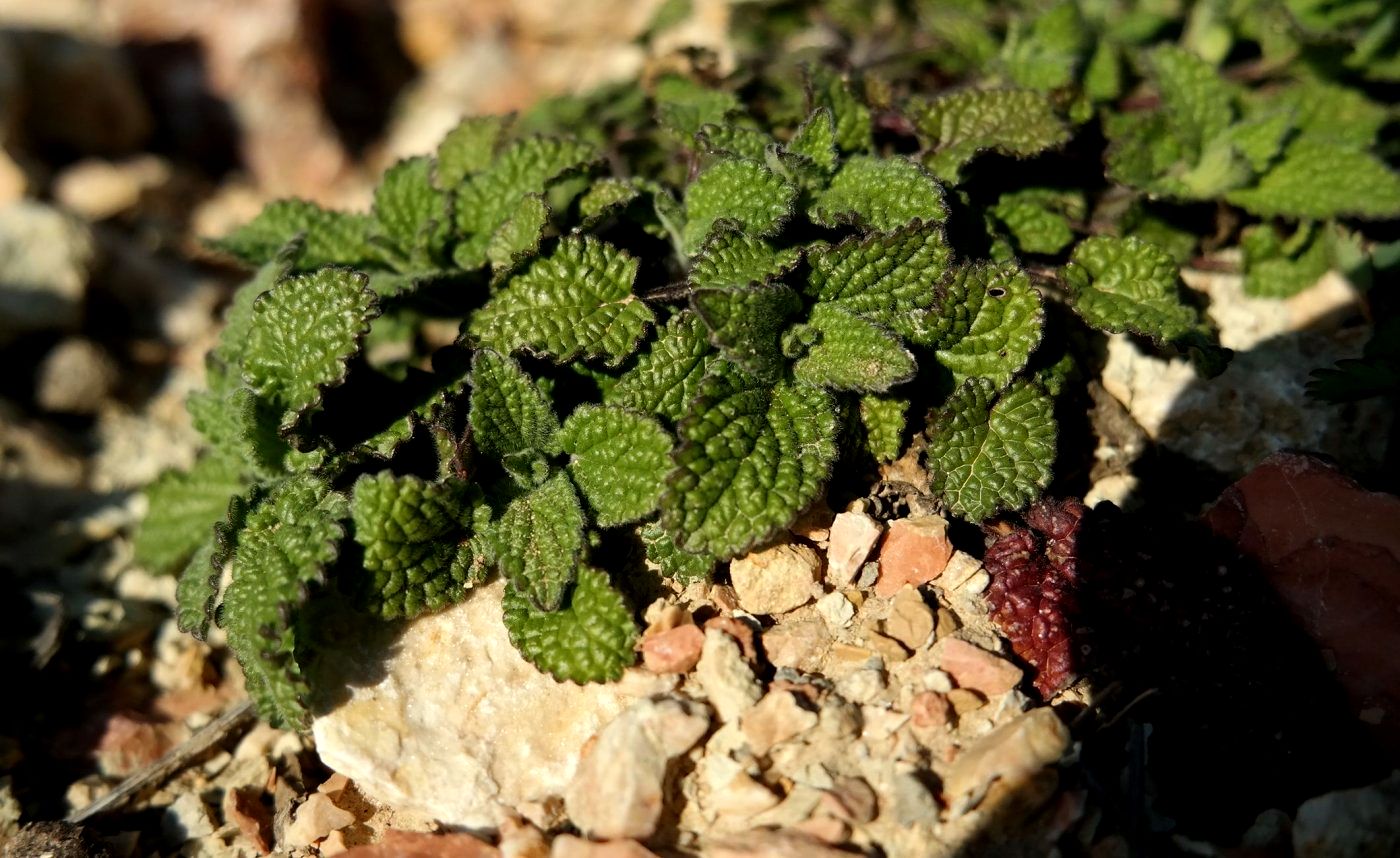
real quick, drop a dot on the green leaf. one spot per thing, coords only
(815, 140)
(469, 148)
(1126, 284)
(604, 198)
(674, 563)
(685, 106)
(1038, 218)
(509, 413)
(241, 427)
(990, 453)
(1103, 76)
(852, 118)
(238, 317)
(884, 418)
(331, 238)
(303, 334)
(956, 127)
(197, 591)
(1006, 318)
(538, 542)
(520, 235)
(619, 459)
(575, 302)
(881, 193)
(1320, 180)
(182, 506)
(667, 376)
(1260, 139)
(752, 457)
(851, 353)
(410, 530)
(1195, 98)
(1274, 269)
(1325, 111)
(590, 640)
(1045, 53)
(489, 198)
(412, 215)
(747, 323)
(737, 140)
(734, 259)
(283, 549)
(735, 189)
(891, 279)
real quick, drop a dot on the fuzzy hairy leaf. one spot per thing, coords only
(331, 237)
(851, 353)
(1038, 218)
(738, 140)
(619, 459)
(1195, 98)
(197, 591)
(674, 563)
(303, 334)
(538, 542)
(956, 127)
(882, 193)
(520, 235)
(853, 123)
(485, 201)
(668, 375)
(752, 457)
(815, 140)
(1276, 268)
(508, 412)
(589, 640)
(1004, 324)
(1126, 284)
(604, 198)
(734, 259)
(469, 148)
(1045, 54)
(410, 530)
(884, 418)
(241, 427)
(575, 302)
(1319, 180)
(685, 106)
(736, 189)
(891, 279)
(412, 215)
(182, 506)
(747, 323)
(989, 453)
(283, 549)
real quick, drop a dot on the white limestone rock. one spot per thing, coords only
(447, 720)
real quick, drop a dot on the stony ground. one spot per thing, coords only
(841, 691)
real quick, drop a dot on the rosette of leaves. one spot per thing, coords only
(679, 358)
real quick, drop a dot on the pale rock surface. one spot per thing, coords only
(775, 719)
(99, 189)
(800, 641)
(727, 680)
(75, 377)
(45, 259)
(617, 791)
(853, 537)
(961, 566)
(1350, 823)
(974, 668)
(1011, 753)
(187, 818)
(777, 579)
(315, 819)
(915, 551)
(1259, 404)
(455, 724)
(911, 621)
(836, 610)
(763, 843)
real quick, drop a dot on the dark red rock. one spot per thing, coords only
(1331, 550)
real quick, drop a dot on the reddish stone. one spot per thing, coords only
(915, 551)
(976, 669)
(244, 808)
(675, 650)
(129, 744)
(740, 631)
(1331, 550)
(930, 711)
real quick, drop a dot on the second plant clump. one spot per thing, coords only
(673, 333)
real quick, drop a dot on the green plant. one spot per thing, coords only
(675, 330)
